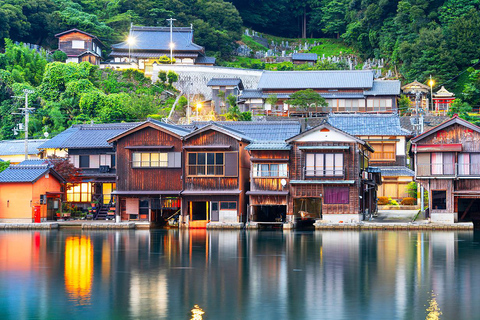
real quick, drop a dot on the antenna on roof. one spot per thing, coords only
(91, 122)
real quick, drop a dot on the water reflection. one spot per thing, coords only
(240, 275)
(79, 268)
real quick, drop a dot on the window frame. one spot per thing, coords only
(439, 190)
(206, 165)
(256, 166)
(71, 192)
(138, 162)
(323, 165)
(382, 151)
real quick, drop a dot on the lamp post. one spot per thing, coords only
(199, 106)
(131, 42)
(171, 45)
(431, 83)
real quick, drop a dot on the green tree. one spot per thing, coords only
(59, 56)
(162, 76)
(461, 108)
(172, 77)
(306, 99)
(4, 165)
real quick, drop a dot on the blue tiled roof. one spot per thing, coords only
(262, 130)
(87, 136)
(396, 171)
(33, 162)
(20, 173)
(14, 147)
(205, 60)
(368, 124)
(158, 38)
(305, 56)
(384, 87)
(274, 145)
(224, 82)
(343, 79)
(179, 130)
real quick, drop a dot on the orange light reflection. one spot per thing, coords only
(79, 268)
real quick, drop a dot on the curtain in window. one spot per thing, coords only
(464, 164)
(338, 164)
(437, 163)
(475, 163)
(310, 165)
(336, 195)
(448, 163)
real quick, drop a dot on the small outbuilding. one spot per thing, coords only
(26, 187)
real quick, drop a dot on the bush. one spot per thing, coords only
(382, 201)
(392, 202)
(409, 202)
(59, 56)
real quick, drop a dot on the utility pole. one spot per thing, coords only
(419, 130)
(26, 111)
(171, 38)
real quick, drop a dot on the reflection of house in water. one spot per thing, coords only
(79, 269)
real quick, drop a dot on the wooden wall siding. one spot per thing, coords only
(467, 185)
(270, 154)
(350, 161)
(316, 90)
(441, 184)
(145, 178)
(212, 137)
(65, 43)
(214, 183)
(260, 184)
(268, 200)
(314, 191)
(455, 134)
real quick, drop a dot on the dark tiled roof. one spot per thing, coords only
(14, 147)
(396, 171)
(20, 173)
(258, 94)
(158, 38)
(428, 122)
(384, 87)
(261, 130)
(251, 94)
(305, 56)
(344, 79)
(224, 82)
(33, 162)
(368, 124)
(87, 136)
(205, 60)
(179, 130)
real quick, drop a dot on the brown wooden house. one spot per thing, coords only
(216, 177)
(269, 182)
(149, 171)
(80, 46)
(447, 164)
(329, 176)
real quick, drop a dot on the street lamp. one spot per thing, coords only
(199, 106)
(171, 45)
(131, 41)
(431, 82)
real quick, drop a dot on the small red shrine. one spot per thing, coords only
(442, 100)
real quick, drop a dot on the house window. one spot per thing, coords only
(78, 44)
(324, 165)
(469, 164)
(384, 151)
(336, 195)
(106, 160)
(206, 163)
(156, 159)
(228, 205)
(81, 192)
(439, 199)
(84, 161)
(261, 170)
(379, 104)
(443, 163)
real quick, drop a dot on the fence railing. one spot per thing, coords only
(324, 171)
(449, 169)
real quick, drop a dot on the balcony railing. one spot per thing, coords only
(324, 172)
(448, 170)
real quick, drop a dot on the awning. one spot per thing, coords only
(210, 192)
(212, 147)
(267, 193)
(322, 181)
(148, 147)
(146, 192)
(454, 147)
(324, 148)
(268, 160)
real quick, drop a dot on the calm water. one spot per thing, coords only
(238, 275)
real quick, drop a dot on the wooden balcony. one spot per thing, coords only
(448, 170)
